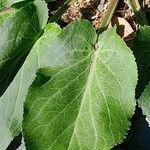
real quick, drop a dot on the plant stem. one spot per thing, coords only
(139, 13)
(135, 5)
(108, 15)
(61, 11)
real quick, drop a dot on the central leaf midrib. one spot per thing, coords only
(88, 85)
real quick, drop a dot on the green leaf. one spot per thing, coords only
(8, 3)
(141, 49)
(48, 1)
(144, 102)
(19, 30)
(11, 102)
(82, 97)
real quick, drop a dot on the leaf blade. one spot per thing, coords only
(8, 69)
(142, 54)
(68, 110)
(144, 102)
(8, 3)
(19, 31)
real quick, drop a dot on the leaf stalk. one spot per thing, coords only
(108, 15)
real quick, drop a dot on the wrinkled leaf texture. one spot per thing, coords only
(19, 30)
(8, 3)
(82, 97)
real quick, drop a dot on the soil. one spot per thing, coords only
(94, 9)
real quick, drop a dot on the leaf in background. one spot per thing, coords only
(141, 49)
(8, 3)
(144, 102)
(19, 30)
(48, 1)
(81, 98)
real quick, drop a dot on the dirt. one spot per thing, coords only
(88, 9)
(93, 10)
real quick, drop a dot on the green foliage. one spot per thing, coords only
(8, 3)
(144, 101)
(66, 78)
(86, 103)
(142, 53)
(71, 88)
(19, 30)
(141, 50)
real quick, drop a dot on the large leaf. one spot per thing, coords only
(19, 30)
(141, 49)
(144, 102)
(82, 97)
